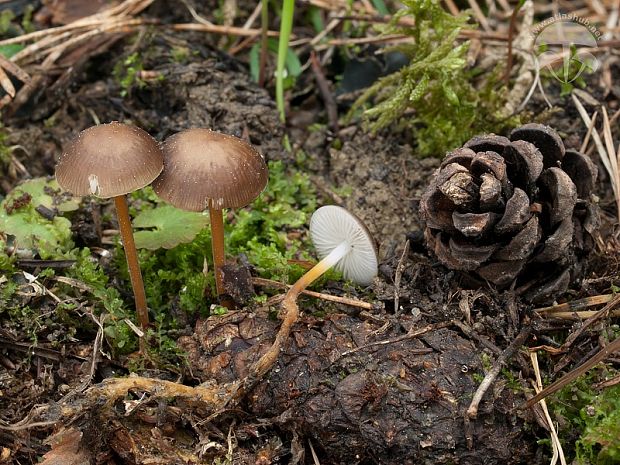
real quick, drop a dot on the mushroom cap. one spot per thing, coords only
(109, 160)
(203, 166)
(330, 226)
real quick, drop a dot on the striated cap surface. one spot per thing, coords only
(203, 167)
(109, 160)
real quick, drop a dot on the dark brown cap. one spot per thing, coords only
(202, 166)
(109, 160)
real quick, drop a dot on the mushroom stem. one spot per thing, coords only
(217, 246)
(124, 223)
(317, 270)
(291, 310)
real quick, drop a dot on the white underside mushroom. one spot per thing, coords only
(342, 241)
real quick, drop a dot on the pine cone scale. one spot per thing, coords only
(560, 192)
(546, 139)
(516, 214)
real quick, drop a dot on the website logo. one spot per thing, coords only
(563, 46)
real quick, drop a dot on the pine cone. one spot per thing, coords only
(519, 209)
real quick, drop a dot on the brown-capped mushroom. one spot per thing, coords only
(206, 170)
(112, 160)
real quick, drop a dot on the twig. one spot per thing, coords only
(603, 312)
(215, 29)
(472, 411)
(511, 32)
(331, 298)
(411, 334)
(607, 157)
(574, 374)
(479, 15)
(398, 276)
(586, 139)
(328, 98)
(452, 8)
(576, 304)
(608, 383)
(262, 67)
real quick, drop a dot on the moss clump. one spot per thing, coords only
(267, 233)
(436, 86)
(594, 415)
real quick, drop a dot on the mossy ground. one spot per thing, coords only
(377, 177)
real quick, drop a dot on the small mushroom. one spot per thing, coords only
(112, 160)
(342, 241)
(545, 138)
(206, 170)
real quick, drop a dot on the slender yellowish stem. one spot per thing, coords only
(124, 223)
(291, 310)
(217, 246)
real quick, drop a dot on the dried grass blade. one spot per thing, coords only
(15, 70)
(597, 141)
(6, 84)
(613, 158)
(558, 452)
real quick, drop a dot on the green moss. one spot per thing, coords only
(269, 233)
(592, 414)
(127, 73)
(436, 86)
(266, 232)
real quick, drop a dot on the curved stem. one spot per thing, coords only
(124, 223)
(291, 310)
(217, 246)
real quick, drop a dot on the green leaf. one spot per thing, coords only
(32, 231)
(19, 217)
(10, 49)
(380, 7)
(293, 65)
(255, 61)
(46, 192)
(170, 227)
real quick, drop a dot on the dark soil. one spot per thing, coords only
(357, 387)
